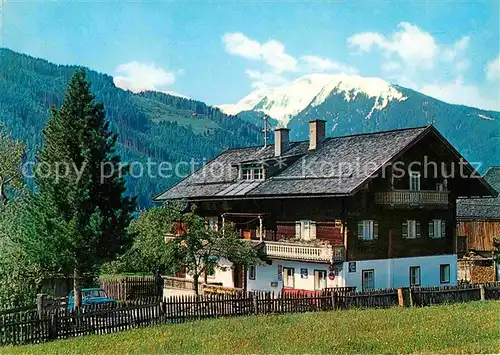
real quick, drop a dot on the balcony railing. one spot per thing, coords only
(412, 198)
(297, 251)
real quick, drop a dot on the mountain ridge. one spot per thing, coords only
(362, 105)
(150, 125)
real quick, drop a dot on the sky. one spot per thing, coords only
(220, 51)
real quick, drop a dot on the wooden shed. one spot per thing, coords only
(478, 232)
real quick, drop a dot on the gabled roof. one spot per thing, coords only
(482, 208)
(338, 167)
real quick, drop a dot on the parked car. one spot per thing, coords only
(90, 296)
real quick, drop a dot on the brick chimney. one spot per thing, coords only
(316, 133)
(281, 141)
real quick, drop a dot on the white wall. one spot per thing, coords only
(396, 273)
(388, 273)
(223, 273)
(266, 274)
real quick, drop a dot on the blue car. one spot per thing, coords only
(90, 296)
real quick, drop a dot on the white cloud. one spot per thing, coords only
(366, 40)
(416, 48)
(277, 61)
(455, 54)
(458, 92)
(413, 58)
(450, 54)
(136, 77)
(271, 52)
(264, 79)
(493, 69)
(313, 63)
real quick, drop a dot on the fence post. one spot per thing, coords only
(255, 304)
(332, 295)
(482, 292)
(403, 298)
(40, 298)
(53, 327)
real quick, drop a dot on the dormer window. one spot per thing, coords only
(252, 173)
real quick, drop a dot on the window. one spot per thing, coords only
(414, 275)
(437, 228)
(246, 174)
(367, 230)
(305, 230)
(368, 280)
(252, 173)
(251, 272)
(444, 272)
(319, 279)
(288, 277)
(258, 174)
(414, 181)
(410, 229)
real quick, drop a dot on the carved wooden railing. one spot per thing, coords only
(407, 197)
(297, 251)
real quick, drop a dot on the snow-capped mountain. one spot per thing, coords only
(353, 104)
(284, 102)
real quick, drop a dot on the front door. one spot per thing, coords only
(238, 276)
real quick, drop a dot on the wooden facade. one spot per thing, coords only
(479, 234)
(357, 219)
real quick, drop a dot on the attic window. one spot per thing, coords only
(252, 173)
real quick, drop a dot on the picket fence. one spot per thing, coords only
(132, 287)
(35, 327)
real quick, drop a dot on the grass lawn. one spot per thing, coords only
(470, 327)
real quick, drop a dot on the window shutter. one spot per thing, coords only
(443, 228)
(360, 230)
(375, 230)
(404, 229)
(313, 230)
(418, 229)
(298, 227)
(431, 229)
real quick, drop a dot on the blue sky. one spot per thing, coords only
(219, 52)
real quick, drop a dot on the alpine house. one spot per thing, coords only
(369, 211)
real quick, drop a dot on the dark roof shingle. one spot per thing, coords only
(482, 208)
(337, 167)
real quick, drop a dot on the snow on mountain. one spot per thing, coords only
(286, 101)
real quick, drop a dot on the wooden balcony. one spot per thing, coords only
(297, 251)
(407, 198)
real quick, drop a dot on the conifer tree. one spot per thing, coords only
(80, 212)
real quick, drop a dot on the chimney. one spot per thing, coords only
(281, 141)
(316, 133)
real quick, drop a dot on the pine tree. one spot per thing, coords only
(11, 154)
(81, 213)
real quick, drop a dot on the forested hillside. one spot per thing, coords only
(150, 125)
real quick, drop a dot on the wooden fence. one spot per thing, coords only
(425, 296)
(35, 327)
(132, 287)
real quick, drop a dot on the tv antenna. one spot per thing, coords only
(265, 118)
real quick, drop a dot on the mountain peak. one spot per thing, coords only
(284, 102)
